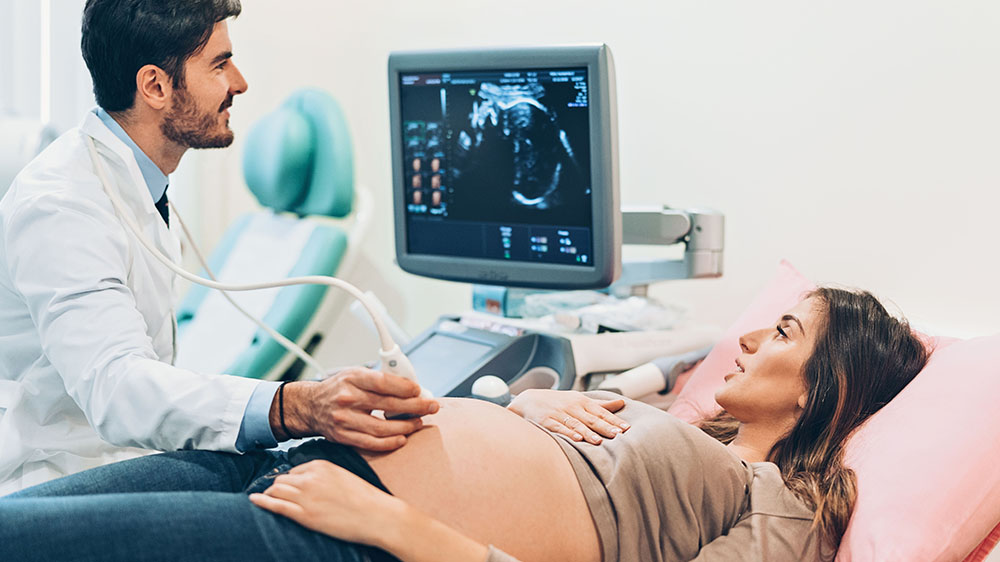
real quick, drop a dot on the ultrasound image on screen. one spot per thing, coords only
(516, 143)
(515, 159)
(498, 149)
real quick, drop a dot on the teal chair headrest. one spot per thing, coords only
(299, 158)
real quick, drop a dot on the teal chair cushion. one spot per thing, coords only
(292, 308)
(197, 293)
(299, 158)
(278, 159)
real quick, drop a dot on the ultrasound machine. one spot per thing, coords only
(505, 173)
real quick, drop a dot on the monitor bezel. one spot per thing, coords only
(605, 206)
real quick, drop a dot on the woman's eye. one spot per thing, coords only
(781, 332)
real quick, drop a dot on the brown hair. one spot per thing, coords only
(118, 37)
(862, 358)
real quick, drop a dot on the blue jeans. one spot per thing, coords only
(184, 505)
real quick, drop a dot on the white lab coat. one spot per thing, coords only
(87, 326)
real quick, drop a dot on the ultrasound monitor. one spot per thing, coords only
(505, 165)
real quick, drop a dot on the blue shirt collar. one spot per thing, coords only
(156, 180)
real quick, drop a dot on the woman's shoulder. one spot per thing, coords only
(770, 496)
(775, 526)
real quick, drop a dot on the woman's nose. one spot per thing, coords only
(750, 341)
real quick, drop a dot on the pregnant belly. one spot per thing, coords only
(497, 478)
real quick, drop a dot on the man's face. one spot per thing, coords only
(199, 116)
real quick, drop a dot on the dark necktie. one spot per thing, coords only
(161, 206)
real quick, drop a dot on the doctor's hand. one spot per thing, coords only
(570, 413)
(339, 408)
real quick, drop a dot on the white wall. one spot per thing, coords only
(20, 57)
(860, 140)
(42, 73)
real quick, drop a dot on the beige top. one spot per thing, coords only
(665, 491)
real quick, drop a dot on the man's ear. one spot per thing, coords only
(153, 87)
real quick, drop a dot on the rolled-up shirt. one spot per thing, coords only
(666, 491)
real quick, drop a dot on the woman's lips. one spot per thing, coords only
(739, 369)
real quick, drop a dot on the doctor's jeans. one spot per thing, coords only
(183, 505)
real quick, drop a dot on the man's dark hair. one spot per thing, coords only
(122, 36)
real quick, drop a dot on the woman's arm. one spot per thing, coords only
(570, 413)
(326, 498)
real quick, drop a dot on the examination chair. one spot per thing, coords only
(298, 162)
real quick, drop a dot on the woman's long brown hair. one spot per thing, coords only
(863, 357)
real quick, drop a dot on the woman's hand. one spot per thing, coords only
(326, 498)
(571, 414)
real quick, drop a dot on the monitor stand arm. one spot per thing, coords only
(701, 230)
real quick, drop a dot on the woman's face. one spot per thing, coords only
(766, 383)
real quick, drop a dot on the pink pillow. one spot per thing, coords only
(984, 548)
(926, 463)
(928, 484)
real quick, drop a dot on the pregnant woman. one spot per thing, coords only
(763, 480)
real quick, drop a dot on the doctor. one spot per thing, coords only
(86, 319)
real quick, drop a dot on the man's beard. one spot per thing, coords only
(187, 126)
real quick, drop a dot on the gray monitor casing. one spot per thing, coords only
(605, 206)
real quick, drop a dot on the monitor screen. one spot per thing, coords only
(497, 164)
(505, 166)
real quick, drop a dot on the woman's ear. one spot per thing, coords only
(802, 400)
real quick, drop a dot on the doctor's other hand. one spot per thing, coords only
(326, 498)
(571, 414)
(339, 408)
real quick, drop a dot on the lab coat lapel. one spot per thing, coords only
(134, 190)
